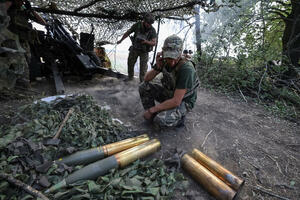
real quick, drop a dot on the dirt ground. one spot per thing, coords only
(256, 146)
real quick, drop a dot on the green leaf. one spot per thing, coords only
(163, 190)
(292, 183)
(93, 187)
(154, 190)
(10, 158)
(147, 181)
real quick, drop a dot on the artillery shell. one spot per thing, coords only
(101, 167)
(94, 154)
(208, 180)
(226, 176)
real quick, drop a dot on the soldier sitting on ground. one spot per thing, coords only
(178, 93)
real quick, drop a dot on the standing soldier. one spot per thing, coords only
(142, 43)
(20, 12)
(178, 92)
(12, 57)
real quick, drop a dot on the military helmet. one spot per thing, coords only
(172, 47)
(149, 18)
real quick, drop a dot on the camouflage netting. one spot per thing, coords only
(113, 17)
(27, 151)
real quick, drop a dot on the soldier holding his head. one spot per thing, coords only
(177, 94)
(142, 43)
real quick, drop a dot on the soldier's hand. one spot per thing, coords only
(148, 115)
(159, 60)
(144, 42)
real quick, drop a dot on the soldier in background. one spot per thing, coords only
(142, 42)
(12, 56)
(187, 53)
(20, 13)
(100, 52)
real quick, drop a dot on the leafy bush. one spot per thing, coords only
(264, 84)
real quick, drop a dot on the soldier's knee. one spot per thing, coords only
(143, 87)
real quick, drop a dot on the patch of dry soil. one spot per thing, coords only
(243, 137)
(258, 147)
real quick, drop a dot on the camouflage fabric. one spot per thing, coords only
(132, 58)
(172, 47)
(4, 19)
(12, 57)
(20, 24)
(151, 92)
(171, 118)
(12, 68)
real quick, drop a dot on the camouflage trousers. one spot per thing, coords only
(132, 58)
(151, 92)
(25, 45)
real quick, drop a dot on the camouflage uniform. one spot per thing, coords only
(151, 92)
(20, 25)
(12, 57)
(172, 77)
(139, 50)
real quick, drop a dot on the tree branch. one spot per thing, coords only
(132, 16)
(279, 10)
(87, 5)
(283, 4)
(280, 15)
(187, 5)
(24, 186)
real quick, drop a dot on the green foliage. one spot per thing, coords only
(236, 56)
(146, 180)
(140, 180)
(89, 123)
(261, 84)
(27, 152)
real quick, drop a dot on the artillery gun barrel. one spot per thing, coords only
(225, 175)
(207, 179)
(94, 154)
(101, 167)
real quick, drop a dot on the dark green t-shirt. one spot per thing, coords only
(138, 27)
(185, 79)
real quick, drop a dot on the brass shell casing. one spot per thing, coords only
(225, 175)
(208, 180)
(130, 155)
(116, 147)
